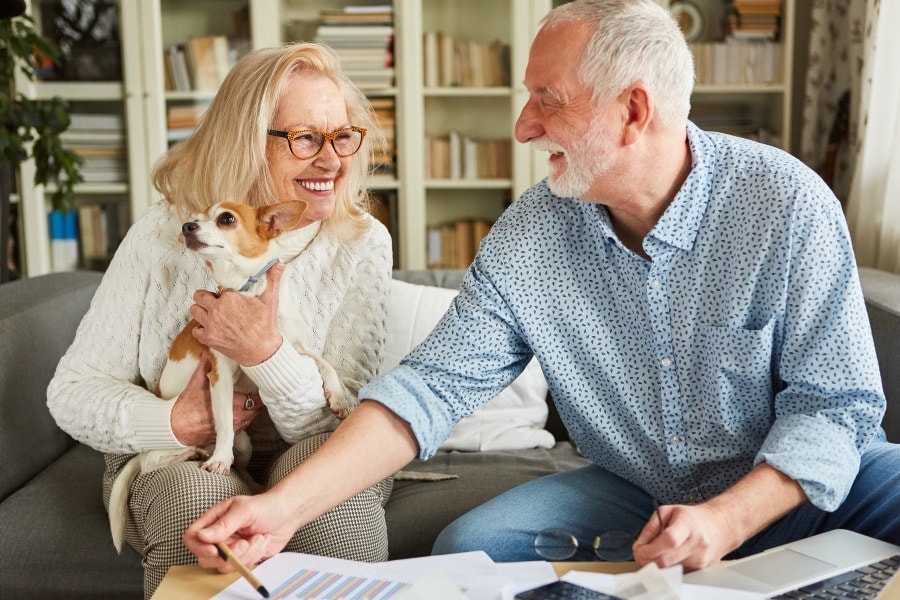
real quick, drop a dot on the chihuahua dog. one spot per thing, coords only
(239, 244)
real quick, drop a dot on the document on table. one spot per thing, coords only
(464, 576)
(295, 576)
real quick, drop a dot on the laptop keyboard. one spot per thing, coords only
(865, 583)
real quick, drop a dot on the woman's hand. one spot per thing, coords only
(254, 527)
(192, 418)
(243, 328)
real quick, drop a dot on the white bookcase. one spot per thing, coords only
(418, 201)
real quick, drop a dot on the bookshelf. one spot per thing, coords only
(105, 106)
(413, 199)
(744, 77)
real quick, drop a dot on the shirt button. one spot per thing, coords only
(666, 361)
(692, 497)
(654, 283)
(675, 438)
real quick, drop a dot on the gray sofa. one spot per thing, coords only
(54, 534)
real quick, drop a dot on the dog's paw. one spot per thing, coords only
(338, 404)
(218, 466)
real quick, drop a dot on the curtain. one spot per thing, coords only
(873, 211)
(836, 36)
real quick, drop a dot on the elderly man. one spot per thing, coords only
(694, 303)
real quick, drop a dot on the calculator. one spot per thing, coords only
(563, 590)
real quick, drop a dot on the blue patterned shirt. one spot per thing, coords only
(745, 339)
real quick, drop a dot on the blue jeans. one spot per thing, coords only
(591, 500)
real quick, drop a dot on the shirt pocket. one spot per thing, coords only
(735, 374)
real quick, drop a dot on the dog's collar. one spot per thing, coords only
(254, 278)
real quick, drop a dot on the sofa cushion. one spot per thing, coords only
(419, 510)
(512, 420)
(56, 537)
(38, 317)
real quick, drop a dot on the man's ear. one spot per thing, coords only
(640, 110)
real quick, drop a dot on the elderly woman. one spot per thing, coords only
(285, 125)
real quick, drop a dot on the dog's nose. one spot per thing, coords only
(189, 228)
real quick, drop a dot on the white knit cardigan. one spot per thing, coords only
(99, 394)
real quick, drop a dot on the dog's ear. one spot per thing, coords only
(274, 219)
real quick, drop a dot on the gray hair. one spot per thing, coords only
(633, 41)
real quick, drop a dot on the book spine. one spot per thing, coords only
(63, 241)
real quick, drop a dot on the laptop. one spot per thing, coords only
(802, 564)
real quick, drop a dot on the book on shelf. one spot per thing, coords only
(382, 14)
(384, 160)
(363, 38)
(738, 61)
(178, 75)
(453, 62)
(93, 233)
(734, 118)
(99, 139)
(453, 245)
(456, 156)
(201, 63)
(185, 115)
(63, 228)
(753, 19)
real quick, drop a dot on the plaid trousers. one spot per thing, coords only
(164, 502)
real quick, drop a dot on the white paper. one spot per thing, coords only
(603, 582)
(525, 576)
(474, 572)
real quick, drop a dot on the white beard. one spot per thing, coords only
(590, 159)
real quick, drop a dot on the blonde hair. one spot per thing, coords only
(225, 158)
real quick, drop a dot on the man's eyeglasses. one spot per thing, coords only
(614, 546)
(308, 143)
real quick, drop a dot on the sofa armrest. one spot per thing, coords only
(38, 318)
(882, 292)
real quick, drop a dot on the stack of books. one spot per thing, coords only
(182, 119)
(384, 160)
(99, 139)
(363, 37)
(754, 19)
(456, 156)
(738, 62)
(453, 62)
(200, 63)
(453, 245)
(734, 118)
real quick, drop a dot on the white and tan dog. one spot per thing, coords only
(239, 244)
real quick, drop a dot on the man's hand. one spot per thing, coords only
(693, 536)
(699, 536)
(243, 328)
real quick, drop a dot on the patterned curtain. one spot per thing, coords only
(832, 95)
(873, 212)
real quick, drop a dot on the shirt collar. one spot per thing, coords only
(680, 223)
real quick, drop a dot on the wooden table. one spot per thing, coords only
(197, 583)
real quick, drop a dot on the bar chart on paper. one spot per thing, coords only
(310, 584)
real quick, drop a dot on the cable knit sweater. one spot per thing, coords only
(99, 393)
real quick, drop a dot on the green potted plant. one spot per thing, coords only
(32, 128)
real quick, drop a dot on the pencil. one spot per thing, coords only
(227, 556)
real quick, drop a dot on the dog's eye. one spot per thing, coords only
(226, 218)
